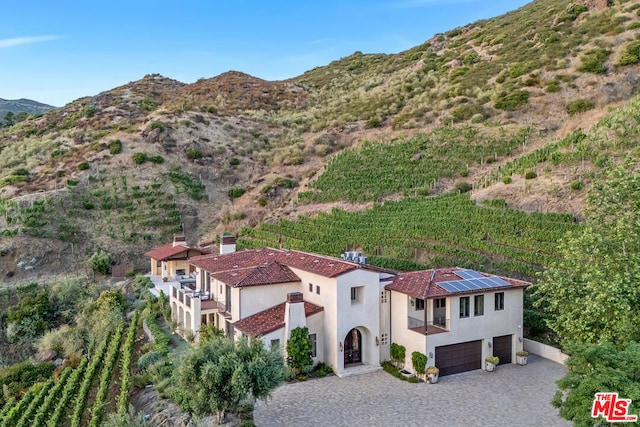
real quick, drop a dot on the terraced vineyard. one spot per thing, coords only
(414, 233)
(615, 136)
(410, 166)
(80, 396)
(111, 208)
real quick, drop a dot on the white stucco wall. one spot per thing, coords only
(254, 299)
(492, 324)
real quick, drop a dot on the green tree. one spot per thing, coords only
(217, 375)
(591, 290)
(598, 368)
(100, 262)
(299, 348)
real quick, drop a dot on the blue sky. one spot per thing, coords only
(58, 51)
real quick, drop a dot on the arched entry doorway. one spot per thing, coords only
(353, 347)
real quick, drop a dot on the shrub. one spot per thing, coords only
(593, 61)
(115, 146)
(147, 104)
(83, 166)
(419, 362)
(579, 106)
(373, 122)
(530, 175)
(463, 187)
(194, 153)
(631, 54)
(511, 101)
(507, 180)
(100, 262)
(236, 192)
(262, 201)
(89, 111)
(576, 185)
(299, 348)
(234, 161)
(157, 159)
(139, 158)
(156, 125)
(553, 86)
(398, 354)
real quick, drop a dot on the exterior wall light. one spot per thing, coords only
(377, 341)
(341, 347)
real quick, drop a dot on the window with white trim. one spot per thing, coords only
(499, 301)
(464, 307)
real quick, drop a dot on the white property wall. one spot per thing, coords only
(546, 351)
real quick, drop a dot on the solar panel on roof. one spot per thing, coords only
(468, 274)
(472, 284)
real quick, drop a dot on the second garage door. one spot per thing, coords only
(456, 358)
(502, 348)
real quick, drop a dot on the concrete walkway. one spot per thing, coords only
(511, 396)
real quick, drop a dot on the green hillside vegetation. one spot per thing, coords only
(427, 232)
(411, 166)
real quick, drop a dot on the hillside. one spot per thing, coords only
(546, 91)
(23, 105)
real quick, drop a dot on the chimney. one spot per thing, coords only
(227, 244)
(179, 240)
(294, 316)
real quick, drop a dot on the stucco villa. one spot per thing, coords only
(353, 310)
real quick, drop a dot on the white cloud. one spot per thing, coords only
(17, 41)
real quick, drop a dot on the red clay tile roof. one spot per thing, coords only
(270, 319)
(266, 274)
(317, 264)
(424, 284)
(167, 251)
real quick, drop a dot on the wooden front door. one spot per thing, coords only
(352, 346)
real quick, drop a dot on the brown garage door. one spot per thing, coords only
(455, 358)
(502, 348)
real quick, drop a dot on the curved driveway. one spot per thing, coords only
(511, 396)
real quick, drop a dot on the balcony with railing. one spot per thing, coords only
(436, 326)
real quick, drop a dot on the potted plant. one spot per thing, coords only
(521, 357)
(492, 362)
(432, 374)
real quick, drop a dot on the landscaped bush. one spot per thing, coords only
(398, 353)
(419, 362)
(579, 106)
